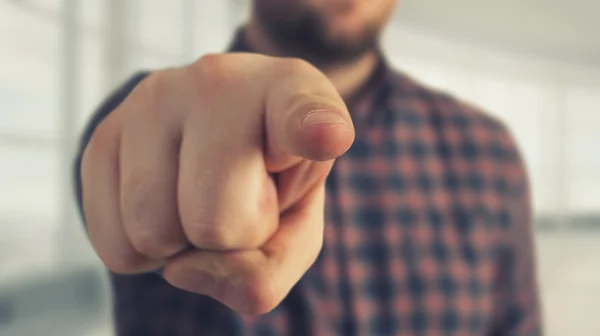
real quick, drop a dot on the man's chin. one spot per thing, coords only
(312, 40)
(342, 53)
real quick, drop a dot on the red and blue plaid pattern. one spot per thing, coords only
(428, 232)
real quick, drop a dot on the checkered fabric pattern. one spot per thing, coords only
(428, 232)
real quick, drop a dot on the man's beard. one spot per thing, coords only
(306, 36)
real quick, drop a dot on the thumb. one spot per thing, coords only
(305, 117)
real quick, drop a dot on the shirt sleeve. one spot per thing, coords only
(109, 105)
(516, 295)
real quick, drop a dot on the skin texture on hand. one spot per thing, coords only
(215, 172)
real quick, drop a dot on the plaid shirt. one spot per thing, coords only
(428, 232)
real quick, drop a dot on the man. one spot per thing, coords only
(211, 193)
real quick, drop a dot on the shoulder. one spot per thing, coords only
(460, 133)
(475, 146)
(450, 115)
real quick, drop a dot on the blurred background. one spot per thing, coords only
(535, 64)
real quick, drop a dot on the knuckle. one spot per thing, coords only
(136, 192)
(136, 183)
(145, 217)
(155, 91)
(212, 235)
(122, 263)
(211, 70)
(295, 66)
(210, 61)
(154, 243)
(103, 137)
(221, 229)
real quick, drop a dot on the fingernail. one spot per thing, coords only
(199, 282)
(323, 117)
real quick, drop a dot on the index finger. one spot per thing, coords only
(305, 116)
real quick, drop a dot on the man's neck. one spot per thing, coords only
(347, 77)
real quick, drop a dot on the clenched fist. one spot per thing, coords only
(215, 172)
